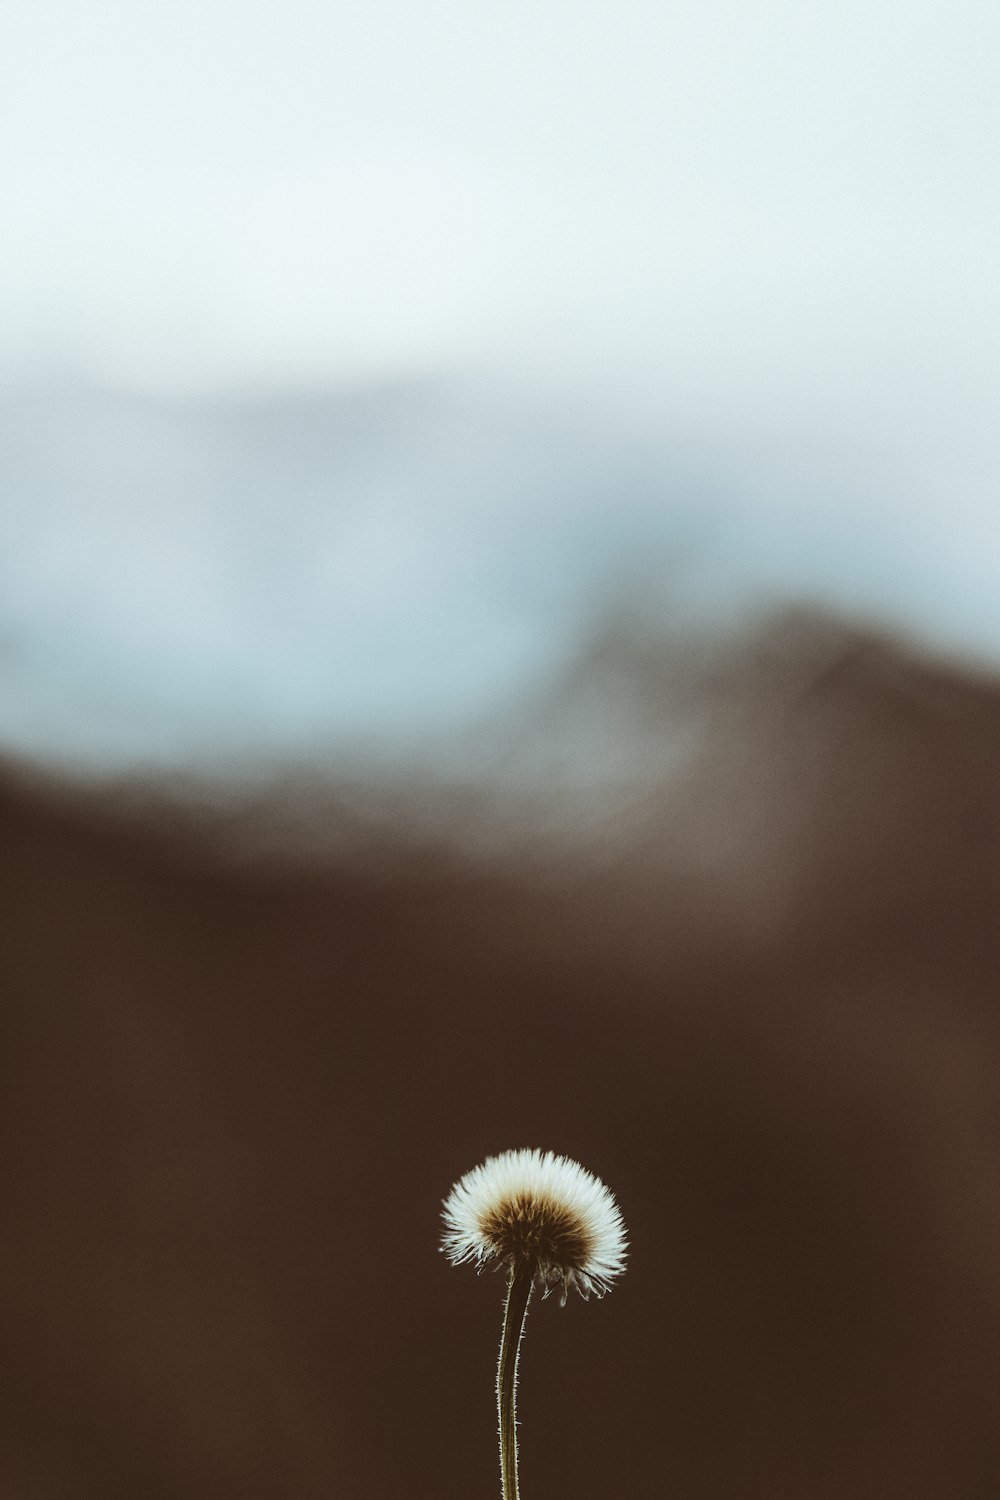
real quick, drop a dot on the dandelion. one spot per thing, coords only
(551, 1224)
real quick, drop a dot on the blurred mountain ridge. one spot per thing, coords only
(265, 575)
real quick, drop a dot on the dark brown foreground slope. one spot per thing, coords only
(235, 1092)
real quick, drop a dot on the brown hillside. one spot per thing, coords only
(760, 1001)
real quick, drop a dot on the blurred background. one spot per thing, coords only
(499, 646)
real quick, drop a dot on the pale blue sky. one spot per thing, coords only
(711, 190)
(718, 275)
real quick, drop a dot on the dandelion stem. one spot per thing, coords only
(515, 1312)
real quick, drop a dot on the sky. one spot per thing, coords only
(745, 252)
(217, 193)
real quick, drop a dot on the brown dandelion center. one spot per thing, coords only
(528, 1227)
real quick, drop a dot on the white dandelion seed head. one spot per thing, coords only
(538, 1209)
